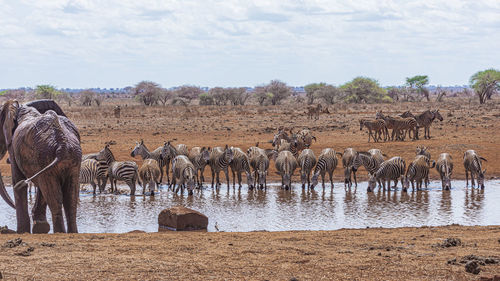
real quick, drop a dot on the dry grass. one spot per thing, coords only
(366, 254)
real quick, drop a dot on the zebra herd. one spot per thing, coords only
(290, 151)
(400, 125)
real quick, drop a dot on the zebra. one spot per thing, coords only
(292, 147)
(371, 160)
(391, 169)
(89, 172)
(418, 171)
(259, 161)
(348, 158)
(117, 111)
(240, 163)
(168, 153)
(149, 174)
(285, 166)
(473, 165)
(199, 157)
(314, 111)
(126, 171)
(399, 126)
(377, 125)
(425, 120)
(220, 158)
(327, 162)
(102, 176)
(444, 166)
(422, 150)
(182, 149)
(183, 170)
(306, 136)
(306, 161)
(141, 149)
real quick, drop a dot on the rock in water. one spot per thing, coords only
(181, 218)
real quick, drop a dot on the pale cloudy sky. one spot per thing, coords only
(244, 43)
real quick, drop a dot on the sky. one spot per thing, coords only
(110, 44)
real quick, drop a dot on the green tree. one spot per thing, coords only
(311, 91)
(418, 83)
(330, 94)
(363, 89)
(46, 92)
(485, 83)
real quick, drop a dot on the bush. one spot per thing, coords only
(206, 99)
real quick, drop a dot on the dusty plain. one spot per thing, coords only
(362, 254)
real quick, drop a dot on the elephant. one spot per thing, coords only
(44, 148)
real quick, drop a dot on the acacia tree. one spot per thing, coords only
(329, 93)
(237, 96)
(219, 95)
(418, 83)
(485, 83)
(279, 91)
(147, 92)
(311, 91)
(164, 95)
(46, 92)
(363, 89)
(188, 93)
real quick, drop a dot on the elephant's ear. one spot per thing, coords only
(44, 105)
(8, 123)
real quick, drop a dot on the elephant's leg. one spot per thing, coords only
(70, 202)
(52, 191)
(39, 212)
(21, 201)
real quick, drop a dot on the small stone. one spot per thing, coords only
(45, 244)
(452, 261)
(472, 267)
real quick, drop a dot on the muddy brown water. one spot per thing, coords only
(296, 209)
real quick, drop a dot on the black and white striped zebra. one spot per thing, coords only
(348, 158)
(183, 171)
(418, 171)
(371, 160)
(149, 175)
(400, 126)
(327, 162)
(425, 120)
(259, 161)
(102, 175)
(239, 164)
(422, 150)
(126, 171)
(141, 149)
(285, 166)
(377, 126)
(199, 156)
(473, 165)
(89, 172)
(391, 169)
(220, 158)
(444, 166)
(306, 161)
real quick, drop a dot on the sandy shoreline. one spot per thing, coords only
(356, 254)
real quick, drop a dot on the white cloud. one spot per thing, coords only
(116, 43)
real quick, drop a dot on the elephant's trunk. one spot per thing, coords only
(4, 194)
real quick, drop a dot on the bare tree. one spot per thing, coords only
(237, 96)
(188, 93)
(219, 95)
(279, 90)
(147, 92)
(329, 93)
(164, 95)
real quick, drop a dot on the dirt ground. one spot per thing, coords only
(347, 254)
(465, 126)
